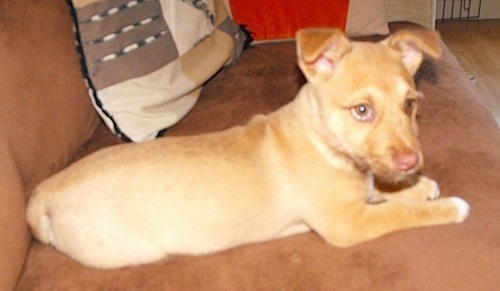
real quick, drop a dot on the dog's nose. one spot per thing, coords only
(406, 161)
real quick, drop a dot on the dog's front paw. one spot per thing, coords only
(425, 189)
(422, 190)
(434, 191)
(462, 207)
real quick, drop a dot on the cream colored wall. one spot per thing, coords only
(489, 9)
(419, 11)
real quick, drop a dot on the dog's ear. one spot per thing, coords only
(414, 44)
(319, 50)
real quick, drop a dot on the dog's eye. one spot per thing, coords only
(409, 106)
(363, 112)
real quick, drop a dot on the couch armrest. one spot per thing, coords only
(14, 235)
(45, 114)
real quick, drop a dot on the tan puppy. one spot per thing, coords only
(309, 165)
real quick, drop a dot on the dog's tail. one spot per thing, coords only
(38, 218)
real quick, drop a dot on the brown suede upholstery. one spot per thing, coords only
(45, 113)
(46, 118)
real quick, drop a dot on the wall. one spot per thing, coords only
(419, 11)
(487, 10)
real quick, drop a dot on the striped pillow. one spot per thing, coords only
(145, 61)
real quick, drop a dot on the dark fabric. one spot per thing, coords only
(45, 114)
(461, 144)
(147, 22)
(45, 111)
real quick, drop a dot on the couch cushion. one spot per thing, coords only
(14, 234)
(146, 61)
(46, 112)
(462, 147)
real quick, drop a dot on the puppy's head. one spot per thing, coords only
(363, 97)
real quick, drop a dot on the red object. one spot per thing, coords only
(278, 19)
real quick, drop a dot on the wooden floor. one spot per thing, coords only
(476, 45)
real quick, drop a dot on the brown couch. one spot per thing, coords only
(47, 121)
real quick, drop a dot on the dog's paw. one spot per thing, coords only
(424, 189)
(427, 189)
(462, 207)
(434, 192)
(421, 189)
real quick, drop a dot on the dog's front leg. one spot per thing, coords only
(415, 188)
(348, 222)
